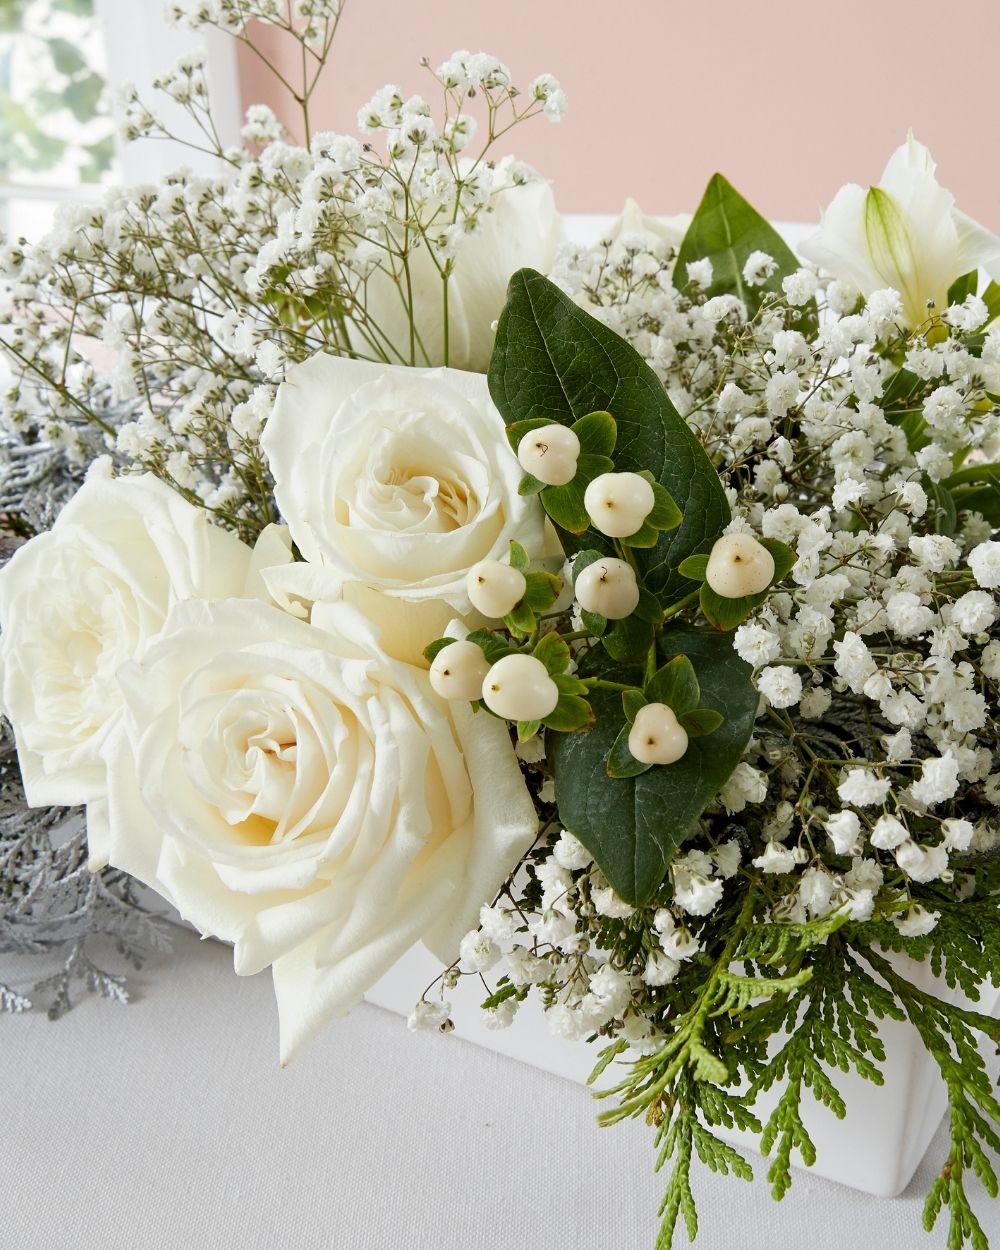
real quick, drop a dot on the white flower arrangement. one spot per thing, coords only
(653, 673)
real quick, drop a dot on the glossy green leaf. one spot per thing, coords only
(554, 361)
(700, 721)
(621, 761)
(553, 652)
(725, 229)
(633, 826)
(632, 701)
(676, 685)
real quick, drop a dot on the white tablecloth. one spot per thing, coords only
(167, 1125)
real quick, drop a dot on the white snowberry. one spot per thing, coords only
(656, 736)
(618, 503)
(457, 671)
(608, 588)
(550, 454)
(519, 688)
(738, 565)
(494, 588)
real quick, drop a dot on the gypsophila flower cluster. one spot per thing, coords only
(193, 295)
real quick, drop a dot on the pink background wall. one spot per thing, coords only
(788, 98)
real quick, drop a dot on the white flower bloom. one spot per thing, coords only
(816, 891)
(776, 858)
(660, 969)
(726, 857)
(758, 268)
(957, 833)
(916, 921)
(659, 235)
(781, 686)
(696, 894)
(501, 1016)
(81, 600)
(863, 788)
(564, 1022)
(756, 644)
(293, 791)
(907, 616)
(921, 863)
(905, 233)
(569, 852)
(938, 780)
(984, 561)
(478, 952)
(853, 661)
(699, 272)
(394, 483)
(426, 1016)
(888, 832)
(844, 829)
(746, 784)
(607, 902)
(974, 612)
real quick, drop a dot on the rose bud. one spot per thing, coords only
(608, 588)
(519, 688)
(618, 503)
(739, 566)
(494, 588)
(457, 671)
(656, 736)
(550, 454)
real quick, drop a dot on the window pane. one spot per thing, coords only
(56, 130)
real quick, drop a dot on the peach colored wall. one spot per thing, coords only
(788, 98)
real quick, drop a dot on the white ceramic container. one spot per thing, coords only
(876, 1148)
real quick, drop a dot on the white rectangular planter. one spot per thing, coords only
(876, 1148)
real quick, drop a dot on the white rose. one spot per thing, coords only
(905, 234)
(292, 790)
(657, 234)
(394, 482)
(520, 229)
(80, 600)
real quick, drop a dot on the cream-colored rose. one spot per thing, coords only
(519, 229)
(292, 790)
(80, 600)
(657, 234)
(394, 482)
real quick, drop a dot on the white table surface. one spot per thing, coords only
(167, 1125)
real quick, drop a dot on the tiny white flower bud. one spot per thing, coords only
(608, 588)
(519, 688)
(618, 503)
(656, 736)
(494, 588)
(738, 566)
(457, 671)
(550, 454)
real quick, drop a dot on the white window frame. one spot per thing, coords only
(139, 45)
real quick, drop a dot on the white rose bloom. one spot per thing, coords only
(905, 234)
(521, 229)
(292, 790)
(655, 234)
(79, 601)
(394, 482)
